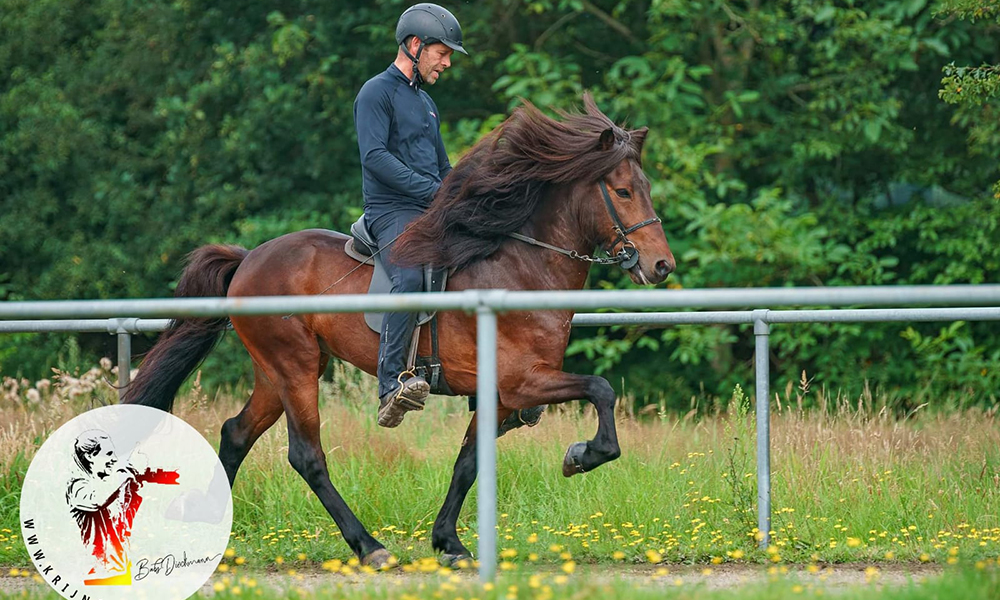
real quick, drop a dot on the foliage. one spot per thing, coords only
(798, 142)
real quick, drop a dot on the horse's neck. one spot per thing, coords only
(522, 266)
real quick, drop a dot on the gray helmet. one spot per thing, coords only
(430, 23)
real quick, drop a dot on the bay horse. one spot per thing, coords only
(521, 211)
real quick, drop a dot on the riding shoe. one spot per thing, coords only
(394, 405)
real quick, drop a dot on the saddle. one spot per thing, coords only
(362, 247)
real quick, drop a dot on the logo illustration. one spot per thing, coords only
(126, 501)
(103, 499)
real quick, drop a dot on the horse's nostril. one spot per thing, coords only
(663, 268)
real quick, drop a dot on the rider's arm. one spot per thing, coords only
(372, 112)
(444, 165)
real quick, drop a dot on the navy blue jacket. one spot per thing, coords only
(403, 159)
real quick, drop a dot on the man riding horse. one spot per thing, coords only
(403, 161)
(523, 210)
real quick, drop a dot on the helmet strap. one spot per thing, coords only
(415, 79)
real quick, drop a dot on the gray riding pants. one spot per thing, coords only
(397, 327)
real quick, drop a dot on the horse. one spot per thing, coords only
(521, 210)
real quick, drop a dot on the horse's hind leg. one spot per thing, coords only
(305, 453)
(290, 358)
(240, 432)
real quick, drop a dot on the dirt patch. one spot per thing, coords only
(831, 578)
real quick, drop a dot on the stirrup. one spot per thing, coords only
(401, 399)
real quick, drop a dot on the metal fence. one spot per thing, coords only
(86, 316)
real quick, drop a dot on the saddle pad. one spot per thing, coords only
(434, 281)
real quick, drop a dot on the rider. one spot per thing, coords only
(403, 161)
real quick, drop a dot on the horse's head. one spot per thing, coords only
(626, 224)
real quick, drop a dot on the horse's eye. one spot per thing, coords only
(622, 193)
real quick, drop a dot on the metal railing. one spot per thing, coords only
(486, 303)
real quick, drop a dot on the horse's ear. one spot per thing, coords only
(607, 140)
(640, 137)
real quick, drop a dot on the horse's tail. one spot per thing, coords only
(183, 346)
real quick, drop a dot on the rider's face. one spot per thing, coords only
(433, 61)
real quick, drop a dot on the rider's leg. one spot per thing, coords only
(397, 328)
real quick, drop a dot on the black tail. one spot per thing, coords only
(181, 348)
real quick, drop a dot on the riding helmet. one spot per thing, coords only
(430, 23)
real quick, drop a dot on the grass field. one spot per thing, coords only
(850, 484)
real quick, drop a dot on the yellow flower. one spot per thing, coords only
(653, 556)
(796, 589)
(568, 567)
(618, 555)
(230, 553)
(508, 553)
(925, 557)
(533, 538)
(332, 565)
(736, 554)
(853, 542)
(560, 579)
(890, 555)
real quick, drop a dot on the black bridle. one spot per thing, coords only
(626, 258)
(629, 254)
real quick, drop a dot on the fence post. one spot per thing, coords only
(122, 328)
(486, 439)
(761, 332)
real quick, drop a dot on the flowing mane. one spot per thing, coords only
(498, 185)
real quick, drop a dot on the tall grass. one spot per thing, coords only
(850, 483)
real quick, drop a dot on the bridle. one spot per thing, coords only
(626, 258)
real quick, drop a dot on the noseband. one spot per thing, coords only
(626, 258)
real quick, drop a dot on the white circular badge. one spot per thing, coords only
(126, 501)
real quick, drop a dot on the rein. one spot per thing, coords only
(626, 258)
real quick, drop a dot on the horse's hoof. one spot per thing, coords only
(455, 561)
(571, 464)
(379, 560)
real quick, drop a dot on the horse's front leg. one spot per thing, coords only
(444, 536)
(549, 386)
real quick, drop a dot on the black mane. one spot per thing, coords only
(497, 186)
